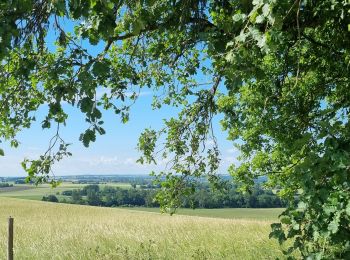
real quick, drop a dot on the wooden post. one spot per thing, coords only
(10, 240)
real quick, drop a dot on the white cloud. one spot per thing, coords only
(84, 162)
(230, 160)
(233, 151)
(118, 164)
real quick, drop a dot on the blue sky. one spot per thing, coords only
(113, 153)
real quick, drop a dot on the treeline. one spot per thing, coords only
(98, 179)
(5, 185)
(204, 197)
(110, 196)
(258, 198)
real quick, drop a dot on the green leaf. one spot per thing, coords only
(330, 209)
(14, 143)
(266, 10)
(100, 69)
(302, 205)
(296, 226)
(87, 137)
(333, 226)
(239, 17)
(259, 19)
(137, 26)
(285, 220)
(347, 210)
(2, 152)
(86, 105)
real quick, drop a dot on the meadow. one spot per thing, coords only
(46, 230)
(32, 192)
(229, 213)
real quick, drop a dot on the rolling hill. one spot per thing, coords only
(61, 231)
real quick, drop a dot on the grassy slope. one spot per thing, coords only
(60, 231)
(230, 213)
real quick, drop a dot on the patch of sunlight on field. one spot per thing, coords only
(60, 231)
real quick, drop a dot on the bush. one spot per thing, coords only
(67, 193)
(50, 198)
(5, 185)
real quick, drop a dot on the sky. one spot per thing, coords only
(113, 153)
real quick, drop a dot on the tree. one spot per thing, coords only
(93, 196)
(76, 196)
(50, 198)
(5, 185)
(280, 76)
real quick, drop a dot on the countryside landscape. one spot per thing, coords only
(175, 129)
(129, 232)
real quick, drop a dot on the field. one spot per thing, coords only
(32, 192)
(229, 213)
(60, 231)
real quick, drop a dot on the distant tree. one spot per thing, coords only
(76, 196)
(91, 187)
(264, 201)
(136, 197)
(5, 184)
(93, 198)
(150, 200)
(50, 198)
(67, 193)
(92, 195)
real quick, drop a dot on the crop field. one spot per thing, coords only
(229, 213)
(15, 188)
(32, 192)
(46, 230)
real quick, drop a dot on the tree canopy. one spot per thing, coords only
(280, 76)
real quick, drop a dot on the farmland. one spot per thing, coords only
(32, 192)
(138, 191)
(64, 231)
(229, 213)
(60, 231)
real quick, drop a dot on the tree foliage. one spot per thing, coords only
(280, 76)
(204, 197)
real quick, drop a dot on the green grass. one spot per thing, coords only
(31, 192)
(229, 213)
(60, 231)
(15, 188)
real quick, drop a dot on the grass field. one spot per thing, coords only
(24, 191)
(229, 213)
(60, 231)
(36, 193)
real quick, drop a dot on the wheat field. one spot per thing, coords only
(60, 231)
